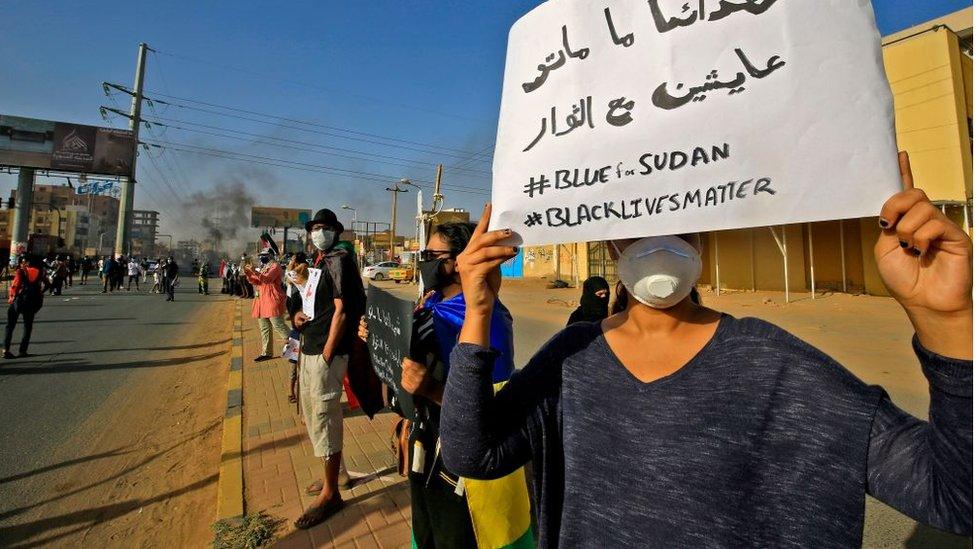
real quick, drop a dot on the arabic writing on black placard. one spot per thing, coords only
(389, 321)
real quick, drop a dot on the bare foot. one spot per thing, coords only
(319, 513)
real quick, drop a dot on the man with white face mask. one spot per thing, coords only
(337, 302)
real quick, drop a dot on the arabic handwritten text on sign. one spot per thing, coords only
(630, 118)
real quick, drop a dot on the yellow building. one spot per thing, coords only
(930, 70)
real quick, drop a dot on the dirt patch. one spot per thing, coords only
(142, 470)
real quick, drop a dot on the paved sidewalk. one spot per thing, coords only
(278, 462)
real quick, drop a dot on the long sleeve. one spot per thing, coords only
(486, 435)
(15, 285)
(925, 468)
(271, 275)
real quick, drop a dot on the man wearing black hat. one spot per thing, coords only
(327, 335)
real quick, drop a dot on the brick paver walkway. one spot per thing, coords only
(278, 462)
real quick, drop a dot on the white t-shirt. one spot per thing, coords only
(134, 268)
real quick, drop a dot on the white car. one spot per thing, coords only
(380, 271)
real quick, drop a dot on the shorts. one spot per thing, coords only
(320, 385)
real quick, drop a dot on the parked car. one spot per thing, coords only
(403, 273)
(380, 271)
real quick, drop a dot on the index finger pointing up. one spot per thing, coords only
(905, 167)
(483, 222)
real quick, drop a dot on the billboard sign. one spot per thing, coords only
(98, 187)
(266, 217)
(48, 145)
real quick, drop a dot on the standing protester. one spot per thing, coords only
(86, 268)
(440, 511)
(118, 274)
(59, 273)
(225, 274)
(296, 276)
(733, 432)
(171, 275)
(246, 288)
(134, 271)
(203, 279)
(144, 265)
(157, 287)
(594, 302)
(72, 267)
(101, 269)
(269, 304)
(25, 297)
(339, 301)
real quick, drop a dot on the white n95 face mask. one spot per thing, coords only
(659, 271)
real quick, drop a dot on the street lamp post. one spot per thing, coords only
(347, 207)
(355, 235)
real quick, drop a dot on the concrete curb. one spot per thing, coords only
(230, 487)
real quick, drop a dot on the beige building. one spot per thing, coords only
(81, 220)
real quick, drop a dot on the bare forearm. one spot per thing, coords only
(476, 328)
(336, 330)
(946, 334)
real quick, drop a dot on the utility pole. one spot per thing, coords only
(21, 224)
(124, 227)
(425, 221)
(396, 190)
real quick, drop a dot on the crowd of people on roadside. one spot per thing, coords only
(732, 421)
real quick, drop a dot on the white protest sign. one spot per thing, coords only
(629, 118)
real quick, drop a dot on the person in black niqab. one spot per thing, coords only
(594, 303)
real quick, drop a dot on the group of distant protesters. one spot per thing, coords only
(234, 279)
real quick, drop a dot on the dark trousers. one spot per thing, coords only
(107, 281)
(168, 282)
(12, 315)
(440, 517)
(131, 278)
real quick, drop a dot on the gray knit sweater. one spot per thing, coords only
(759, 441)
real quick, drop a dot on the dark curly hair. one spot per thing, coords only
(457, 235)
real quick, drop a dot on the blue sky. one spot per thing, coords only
(420, 81)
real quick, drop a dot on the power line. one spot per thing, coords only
(315, 87)
(308, 123)
(178, 174)
(474, 157)
(386, 177)
(371, 157)
(169, 166)
(301, 166)
(162, 177)
(279, 124)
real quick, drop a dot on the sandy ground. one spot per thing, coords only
(870, 336)
(142, 470)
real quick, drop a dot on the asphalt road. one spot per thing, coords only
(85, 346)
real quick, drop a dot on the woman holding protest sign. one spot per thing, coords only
(733, 432)
(448, 511)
